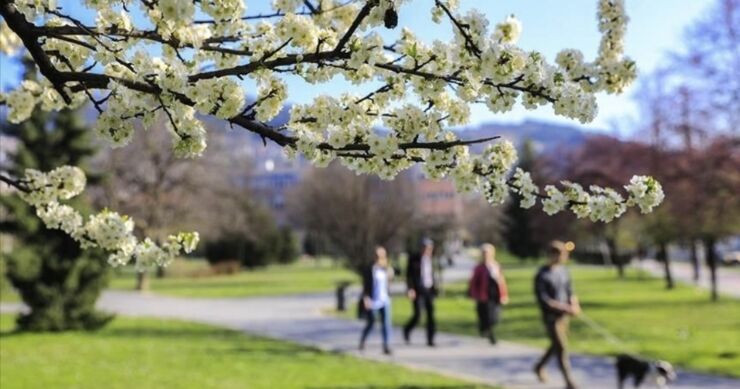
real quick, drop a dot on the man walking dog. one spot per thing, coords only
(557, 302)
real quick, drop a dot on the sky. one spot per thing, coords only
(656, 28)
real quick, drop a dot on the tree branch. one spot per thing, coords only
(14, 183)
(355, 24)
(17, 22)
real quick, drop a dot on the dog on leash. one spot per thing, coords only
(659, 372)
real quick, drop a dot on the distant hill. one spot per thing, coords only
(546, 136)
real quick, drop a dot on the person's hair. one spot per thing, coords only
(556, 247)
(489, 247)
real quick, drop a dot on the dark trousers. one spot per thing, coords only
(384, 324)
(424, 300)
(557, 332)
(488, 313)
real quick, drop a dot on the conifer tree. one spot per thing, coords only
(56, 279)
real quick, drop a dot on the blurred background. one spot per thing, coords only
(666, 285)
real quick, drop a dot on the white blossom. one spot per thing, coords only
(508, 31)
(555, 202)
(9, 41)
(644, 191)
(107, 230)
(525, 187)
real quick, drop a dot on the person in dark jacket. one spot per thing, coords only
(554, 293)
(488, 288)
(421, 289)
(376, 298)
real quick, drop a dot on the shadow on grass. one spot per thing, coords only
(138, 333)
(159, 333)
(698, 302)
(288, 351)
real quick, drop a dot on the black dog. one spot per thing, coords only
(660, 372)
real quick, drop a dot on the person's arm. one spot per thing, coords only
(473, 283)
(479, 283)
(544, 296)
(503, 289)
(410, 279)
(367, 282)
(367, 289)
(558, 306)
(575, 305)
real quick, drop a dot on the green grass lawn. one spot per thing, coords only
(7, 293)
(297, 278)
(681, 325)
(145, 353)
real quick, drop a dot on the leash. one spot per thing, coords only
(606, 334)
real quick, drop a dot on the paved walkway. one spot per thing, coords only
(728, 279)
(303, 319)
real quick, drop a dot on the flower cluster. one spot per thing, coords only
(508, 31)
(219, 96)
(9, 41)
(62, 183)
(22, 101)
(523, 185)
(603, 204)
(107, 230)
(644, 191)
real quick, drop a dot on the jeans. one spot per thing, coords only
(385, 323)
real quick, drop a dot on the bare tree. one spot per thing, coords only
(692, 108)
(149, 183)
(482, 222)
(353, 213)
(710, 68)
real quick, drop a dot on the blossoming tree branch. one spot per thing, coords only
(180, 60)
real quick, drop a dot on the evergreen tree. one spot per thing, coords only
(518, 231)
(57, 280)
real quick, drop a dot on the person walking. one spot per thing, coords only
(488, 288)
(554, 293)
(421, 290)
(376, 298)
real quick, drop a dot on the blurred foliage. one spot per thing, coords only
(519, 232)
(276, 245)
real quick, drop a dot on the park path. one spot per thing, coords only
(304, 319)
(728, 279)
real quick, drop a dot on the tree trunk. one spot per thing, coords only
(614, 255)
(160, 272)
(663, 257)
(711, 259)
(142, 281)
(695, 261)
